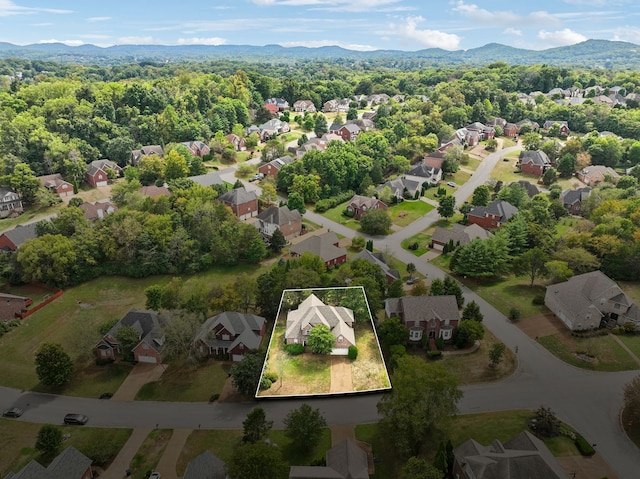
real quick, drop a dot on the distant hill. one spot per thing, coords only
(591, 53)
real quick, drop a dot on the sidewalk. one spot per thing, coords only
(169, 460)
(122, 461)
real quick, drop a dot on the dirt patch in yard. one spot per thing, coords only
(540, 326)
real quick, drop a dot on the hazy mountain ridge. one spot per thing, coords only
(591, 53)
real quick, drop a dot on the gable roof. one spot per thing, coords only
(69, 464)
(500, 208)
(280, 162)
(148, 324)
(349, 460)
(571, 197)
(378, 260)
(103, 165)
(208, 179)
(238, 196)
(154, 191)
(97, 210)
(537, 157)
(206, 466)
(399, 185)
(423, 170)
(322, 245)
(279, 215)
(242, 327)
(52, 181)
(21, 233)
(532, 190)
(459, 234)
(424, 308)
(367, 202)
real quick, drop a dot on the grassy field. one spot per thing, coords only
(150, 452)
(407, 212)
(187, 382)
(513, 292)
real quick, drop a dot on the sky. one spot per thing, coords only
(354, 24)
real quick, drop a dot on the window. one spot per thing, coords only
(415, 335)
(445, 334)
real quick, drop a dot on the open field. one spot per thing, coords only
(406, 212)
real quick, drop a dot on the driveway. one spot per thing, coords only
(140, 375)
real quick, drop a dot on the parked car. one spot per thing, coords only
(155, 475)
(75, 419)
(412, 280)
(257, 177)
(452, 184)
(13, 412)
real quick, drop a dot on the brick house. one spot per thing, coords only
(594, 174)
(272, 168)
(564, 126)
(57, 185)
(239, 143)
(148, 150)
(359, 205)
(243, 203)
(97, 172)
(97, 210)
(197, 148)
(230, 333)
(492, 216)
(10, 202)
(326, 245)
(458, 235)
(510, 130)
(431, 317)
(289, 222)
(11, 306)
(349, 132)
(302, 106)
(572, 200)
(11, 239)
(534, 162)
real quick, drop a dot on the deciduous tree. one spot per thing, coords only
(257, 461)
(375, 222)
(447, 206)
(49, 440)
(246, 374)
(321, 339)
(304, 427)
(255, 427)
(53, 365)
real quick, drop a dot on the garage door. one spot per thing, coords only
(237, 357)
(147, 359)
(339, 351)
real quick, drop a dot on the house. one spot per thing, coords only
(485, 132)
(494, 215)
(136, 155)
(534, 126)
(313, 312)
(426, 173)
(369, 115)
(359, 205)
(155, 191)
(12, 239)
(69, 464)
(349, 132)
(430, 317)
(458, 235)
(97, 172)
(97, 210)
(363, 124)
(148, 324)
(304, 106)
(271, 108)
(208, 179)
(346, 460)
(280, 103)
(501, 122)
(243, 203)
(378, 260)
(522, 457)
(289, 222)
(534, 162)
(583, 301)
(238, 142)
(206, 466)
(197, 148)
(11, 306)
(57, 185)
(341, 106)
(402, 186)
(272, 168)
(594, 174)
(564, 126)
(326, 245)
(572, 199)
(273, 127)
(230, 333)
(531, 189)
(510, 130)
(10, 202)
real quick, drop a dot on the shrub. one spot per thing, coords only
(271, 376)
(265, 383)
(106, 395)
(583, 446)
(353, 352)
(434, 354)
(538, 300)
(214, 397)
(348, 213)
(514, 313)
(440, 343)
(332, 202)
(294, 349)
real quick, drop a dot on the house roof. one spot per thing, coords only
(52, 181)
(423, 170)
(499, 208)
(69, 464)
(242, 327)
(537, 157)
(208, 179)
(378, 260)
(571, 197)
(322, 245)
(523, 457)
(103, 165)
(424, 308)
(154, 191)
(368, 202)
(97, 210)
(348, 459)
(206, 466)
(33, 470)
(351, 128)
(238, 196)
(279, 215)
(21, 233)
(147, 323)
(459, 234)
(597, 170)
(532, 190)
(399, 184)
(280, 162)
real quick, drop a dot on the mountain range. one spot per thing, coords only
(591, 53)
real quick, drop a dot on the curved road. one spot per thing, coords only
(587, 400)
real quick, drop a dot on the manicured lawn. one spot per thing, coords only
(90, 380)
(335, 214)
(187, 382)
(632, 342)
(507, 172)
(150, 452)
(600, 353)
(407, 212)
(567, 225)
(472, 164)
(30, 214)
(460, 177)
(513, 292)
(17, 443)
(423, 241)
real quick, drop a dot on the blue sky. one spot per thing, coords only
(354, 24)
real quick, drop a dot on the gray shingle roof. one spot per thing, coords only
(147, 323)
(422, 170)
(348, 459)
(21, 233)
(459, 234)
(238, 196)
(537, 157)
(206, 466)
(321, 245)
(208, 179)
(571, 197)
(279, 215)
(241, 326)
(378, 260)
(499, 208)
(424, 308)
(69, 464)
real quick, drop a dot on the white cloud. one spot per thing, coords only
(71, 43)
(295, 30)
(331, 5)
(512, 31)
(426, 38)
(137, 41)
(504, 18)
(9, 8)
(97, 19)
(202, 41)
(328, 43)
(561, 38)
(627, 34)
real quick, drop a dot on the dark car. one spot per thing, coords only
(13, 412)
(413, 280)
(76, 419)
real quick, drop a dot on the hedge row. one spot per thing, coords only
(328, 203)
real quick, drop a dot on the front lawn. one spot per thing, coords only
(423, 241)
(187, 382)
(335, 214)
(632, 342)
(512, 292)
(406, 212)
(150, 452)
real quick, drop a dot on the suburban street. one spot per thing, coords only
(589, 401)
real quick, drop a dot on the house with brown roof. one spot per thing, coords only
(458, 235)
(583, 301)
(289, 222)
(57, 185)
(594, 174)
(243, 203)
(238, 142)
(230, 333)
(272, 168)
(522, 457)
(148, 325)
(533, 162)
(10, 203)
(11, 306)
(346, 460)
(197, 148)
(313, 312)
(155, 191)
(492, 216)
(326, 245)
(69, 464)
(148, 150)
(98, 210)
(98, 172)
(12, 239)
(510, 130)
(431, 317)
(359, 205)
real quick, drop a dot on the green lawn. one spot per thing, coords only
(423, 241)
(406, 212)
(632, 342)
(472, 164)
(460, 177)
(513, 292)
(30, 214)
(150, 452)
(335, 214)
(187, 382)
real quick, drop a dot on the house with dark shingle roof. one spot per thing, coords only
(230, 333)
(148, 324)
(402, 186)
(206, 466)
(378, 260)
(458, 235)
(572, 199)
(326, 245)
(432, 317)
(10, 202)
(531, 189)
(522, 457)
(346, 460)
(289, 222)
(349, 132)
(426, 173)
(243, 203)
(583, 301)
(69, 464)
(492, 216)
(97, 172)
(533, 162)
(57, 185)
(564, 126)
(359, 205)
(136, 155)
(272, 168)
(208, 179)
(11, 239)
